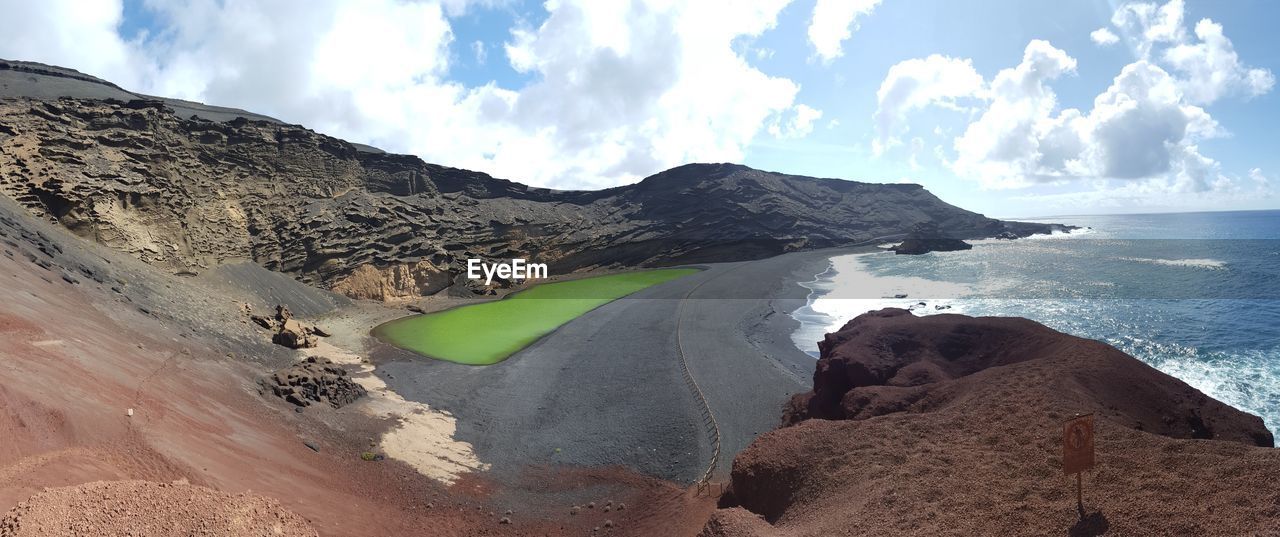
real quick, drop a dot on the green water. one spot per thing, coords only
(488, 333)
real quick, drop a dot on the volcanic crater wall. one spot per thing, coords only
(188, 194)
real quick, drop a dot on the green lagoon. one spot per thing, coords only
(489, 332)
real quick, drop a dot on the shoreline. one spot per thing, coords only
(605, 385)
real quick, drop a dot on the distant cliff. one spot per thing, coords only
(187, 187)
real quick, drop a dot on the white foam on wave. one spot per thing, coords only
(1247, 379)
(1062, 234)
(1191, 263)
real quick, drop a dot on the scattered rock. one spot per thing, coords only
(314, 380)
(266, 322)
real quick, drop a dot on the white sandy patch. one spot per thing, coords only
(422, 438)
(848, 289)
(46, 343)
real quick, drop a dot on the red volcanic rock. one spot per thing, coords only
(951, 424)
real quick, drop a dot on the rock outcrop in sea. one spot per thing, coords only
(927, 237)
(952, 425)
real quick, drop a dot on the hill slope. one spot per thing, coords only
(188, 187)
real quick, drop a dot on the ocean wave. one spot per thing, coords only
(1192, 263)
(1062, 234)
(1244, 379)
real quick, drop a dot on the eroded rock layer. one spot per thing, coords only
(187, 193)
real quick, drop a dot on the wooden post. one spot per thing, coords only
(1079, 496)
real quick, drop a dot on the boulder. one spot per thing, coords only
(294, 335)
(314, 380)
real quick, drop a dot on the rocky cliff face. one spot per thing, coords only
(952, 425)
(187, 187)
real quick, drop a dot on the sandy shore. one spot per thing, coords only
(607, 388)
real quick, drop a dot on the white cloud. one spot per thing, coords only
(1151, 25)
(1211, 69)
(1014, 137)
(833, 22)
(916, 83)
(481, 52)
(1258, 178)
(80, 35)
(1145, 128)
(799, 125)
(1104, 37)
(620, 90)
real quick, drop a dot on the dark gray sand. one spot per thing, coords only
(607, 388)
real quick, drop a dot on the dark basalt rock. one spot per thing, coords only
(926, 237)
(315, 380)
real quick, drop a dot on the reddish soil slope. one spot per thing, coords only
(114, 508)
(87, 334)
(952, 425)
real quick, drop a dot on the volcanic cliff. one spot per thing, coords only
(952, 425)
(187, 187)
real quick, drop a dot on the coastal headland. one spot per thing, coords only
(192, 290)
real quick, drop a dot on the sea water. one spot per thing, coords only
(1196, 295)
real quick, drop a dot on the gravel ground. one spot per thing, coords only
(145, 509)
(607, 388)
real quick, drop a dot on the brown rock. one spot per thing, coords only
(294, 335)
(952, 425)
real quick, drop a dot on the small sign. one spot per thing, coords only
(1077, 444)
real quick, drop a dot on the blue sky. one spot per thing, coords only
(993, 37)
(589, 94)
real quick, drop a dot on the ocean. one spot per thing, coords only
(1196, 295)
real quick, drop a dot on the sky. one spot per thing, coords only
(1006, 107)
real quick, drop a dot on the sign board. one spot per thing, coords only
(1077, 444)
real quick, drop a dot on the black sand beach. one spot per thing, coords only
(608, 387)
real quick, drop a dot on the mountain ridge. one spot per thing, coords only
(187, 189)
